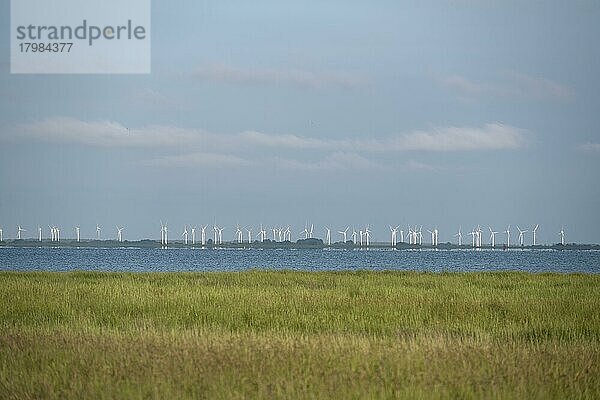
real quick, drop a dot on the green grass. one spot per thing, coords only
(299, 335)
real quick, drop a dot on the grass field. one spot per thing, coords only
(299, 335)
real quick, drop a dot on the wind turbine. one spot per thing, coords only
(473, 234)
(401, 236)
(534, 233)
(562, 235)
(119, 233)
(361, 237)
(220, 235)
(305, 231)
(57, 233)
(328, 236)
(249, 230)
(162, 233)
(185, 234)
(479, 236)
(354, 236)
(507, 231)
(39, 233)
(459, 235)
(98, 229)
(344, 233)
(193, 236)
(274, 234)
(492, 236)
(216, 231)
(394, 232)
(203, 235)
(288, 233)
(421, 236)
(521, 236)
(310, 233)
(239, 234)
(77, 229)
(432, 233)
(19, 230)
(437, 234)
(1, 233)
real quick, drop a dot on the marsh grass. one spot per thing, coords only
(264, 334)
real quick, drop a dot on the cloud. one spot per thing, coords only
(338, 161)
(513, 85)
(200, 160)
(493, 136)
(107, 133)
(291, 77)
(590, 147)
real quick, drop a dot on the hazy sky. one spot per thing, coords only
(437, 112)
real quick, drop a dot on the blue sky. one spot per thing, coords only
(442, 113)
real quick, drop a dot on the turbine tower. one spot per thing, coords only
(39, 233)
(344, 233)
(492, 237)
(562, 235)
(193, 236)
(185, 234)
(249, 230)
(394, 233)
(521, 236)
(19, 230)
(77, 229)
(328, 236)
(1, 234)
(119, 234)
(203, 235)
(459, 236)
(534, 231)
(98, 229)
(507, 231)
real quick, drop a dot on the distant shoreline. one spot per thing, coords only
(269, 244)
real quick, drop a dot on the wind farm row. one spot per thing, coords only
(205, 235)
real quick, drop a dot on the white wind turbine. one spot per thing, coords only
(328, 236)
(521, 236)
(562, 235)
(420, 235)
(344, 233)
(280, 234)
(193, 236)
(57, 229)
(98, 229)
(77, 230)
(368, 235)
(310, 233)
(19, 230)
(411, 235)
(354, 236)
(1, 235)
(288, 233)
(474, 235)
(274, 234)
(507, 231)
(249, 230)
(459, 236)
(436, 231)
(39, 233)
(401, 236)
(185, 234)
(52, 233)
(361, 237)
(220, 235)
(492, 237)
(119, 234)
(305, 231)
(479, 236)
(203, 235)
(534, 231)
(239, 235)
(162, 233)
(216, 231)
(394, 233)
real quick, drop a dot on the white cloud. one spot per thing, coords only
(590, 147)
(200, 160)
(338, 161)
(107, 133)
(261, 76)
(494, 136)
(513, 85)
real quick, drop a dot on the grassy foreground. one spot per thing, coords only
(299, 335)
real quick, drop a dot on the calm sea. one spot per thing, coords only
(142, 260)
